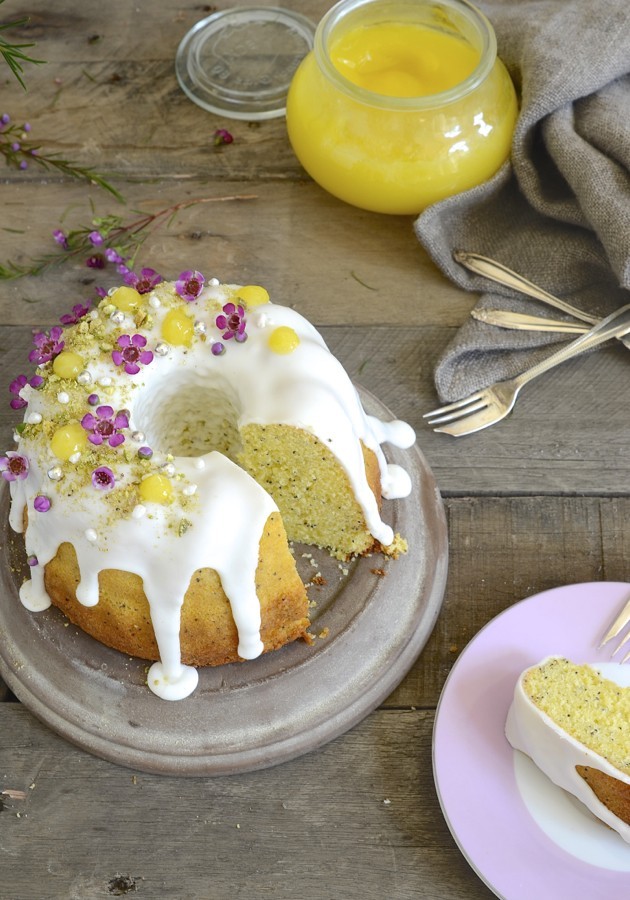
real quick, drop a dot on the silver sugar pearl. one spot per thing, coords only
(214, 282)
(168, 469)
(55, 474)
(199, 327)
(162, 348)
(138, 436)
(84, 377)
(118, 317)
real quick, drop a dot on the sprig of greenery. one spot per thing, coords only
(107, 239)
(20, 151)
(13, 54)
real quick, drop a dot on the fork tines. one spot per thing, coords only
(616, 628)
(456, 410)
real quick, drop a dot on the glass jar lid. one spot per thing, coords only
(240, 62)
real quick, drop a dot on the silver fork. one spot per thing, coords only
(616, 628)
(493, 403)
(497, 272)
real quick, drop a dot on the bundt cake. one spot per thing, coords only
(573, 723)
(173, 442)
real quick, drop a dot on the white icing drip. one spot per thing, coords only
(557, 754)
(226, 510)
(33, 593)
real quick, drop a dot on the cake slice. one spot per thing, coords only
(575, 725)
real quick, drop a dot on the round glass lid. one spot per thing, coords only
(239, 62)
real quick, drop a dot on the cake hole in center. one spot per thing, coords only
(190, 417)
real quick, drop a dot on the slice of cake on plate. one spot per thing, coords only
(574, 723)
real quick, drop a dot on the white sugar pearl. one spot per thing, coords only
(200, 463)
(138, 511)
(214, 282)
(105, 381)
(74, 459)
(62, 397)
(91, 535)
(189, 490)
(154, 302)
(34, 418)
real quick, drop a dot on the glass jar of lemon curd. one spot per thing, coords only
(401, 103)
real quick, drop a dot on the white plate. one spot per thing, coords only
(526, 838)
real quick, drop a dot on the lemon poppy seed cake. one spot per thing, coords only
(573, 723)
(173, 443)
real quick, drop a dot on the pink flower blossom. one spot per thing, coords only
(145, 282)
(132, 355)
(78, 311)
(14, 466)
(47, 346)
(106, 425)
(189, 285)
(232, 321)
(103, 478)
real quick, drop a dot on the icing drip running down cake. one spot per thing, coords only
(573, 723)
(171, 441)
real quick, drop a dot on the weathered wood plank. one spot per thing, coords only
(336, 263)
(364, 806)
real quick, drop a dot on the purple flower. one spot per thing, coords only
(13, 466)
(145, 282)
(232, 322)
(47, 346)
(78, 311)
(105, 426)
(132, 356)
(189, 285)
(41, 503)
(5, 118)
(23, 165)
(95, 238)
(15, 387)
(26, 127)
(61, 239)
(103, 478)
(113, 256)
(222, 136)
(101, 292)
(96, 261)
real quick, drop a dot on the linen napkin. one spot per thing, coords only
(559, 211)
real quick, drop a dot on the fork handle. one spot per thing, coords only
(496, 271)
(614, 325)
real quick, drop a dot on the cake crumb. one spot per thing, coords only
(380, 572)
(324, 633)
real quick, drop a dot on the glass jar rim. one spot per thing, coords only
(337, 13)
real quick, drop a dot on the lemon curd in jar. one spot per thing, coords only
(401, 103)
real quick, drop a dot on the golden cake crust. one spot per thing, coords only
(208, 634)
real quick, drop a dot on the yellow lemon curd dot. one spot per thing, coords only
(127, 299)
(68, 440)
(177, 328)
(68, 364)
(283, 340)
(253, 295)
(156, 489)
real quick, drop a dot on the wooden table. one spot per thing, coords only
(539, 501)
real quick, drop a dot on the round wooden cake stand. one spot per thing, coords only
(374, 619)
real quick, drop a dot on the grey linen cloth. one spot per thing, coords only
(559, 213)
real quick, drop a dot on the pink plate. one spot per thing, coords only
(522, 835)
